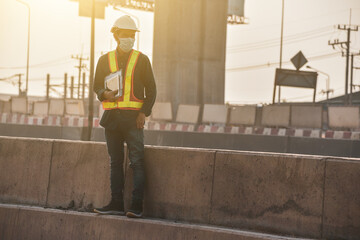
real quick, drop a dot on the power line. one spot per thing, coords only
(274, 43)
(298, 20)
(270, 64)
(49, 63)
(287, 39)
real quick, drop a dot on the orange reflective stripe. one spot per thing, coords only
(124, 102)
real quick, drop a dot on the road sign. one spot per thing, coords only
(85, 9)
(299, 60)
(294, 78)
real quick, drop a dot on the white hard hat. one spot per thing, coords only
(124, 22)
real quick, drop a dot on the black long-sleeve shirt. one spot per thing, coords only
(144, 84)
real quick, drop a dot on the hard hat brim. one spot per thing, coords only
(114, 29)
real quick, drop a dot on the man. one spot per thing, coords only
(124, 115)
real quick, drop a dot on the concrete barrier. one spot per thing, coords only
(57, 107)
(6, 107)
(277, 116)
(344, 117)
(162, 111)
(74, 107)
(187, 113)
(306, 116)
(342, 200)
(38, 223)
(179, 183)
(24, 170)
(243, 115)
(41, 108)
(308, 196)
(19, 105)
(275, 193)
(79, 177)
(2, 103)
(214, 113)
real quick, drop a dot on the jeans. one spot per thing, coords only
(134, 139)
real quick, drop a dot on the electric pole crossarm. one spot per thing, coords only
(348, 27)
(346, 46)
(80, 67)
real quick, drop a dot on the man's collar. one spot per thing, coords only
(122, 54)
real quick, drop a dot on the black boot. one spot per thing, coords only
(113, 208)
(136, 210)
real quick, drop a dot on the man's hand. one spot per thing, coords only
(140, 120)
(110, 95)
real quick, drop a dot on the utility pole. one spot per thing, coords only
(83, 86)
(28, 47)
(281, 41)
(72, 87)
(19, 83)
(351, 74)
(65, 85)
(345, 46)
(92, 52)
(80, 67)
(47, 86)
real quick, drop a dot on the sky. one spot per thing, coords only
(252, 50)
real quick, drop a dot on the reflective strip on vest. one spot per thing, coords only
(124, 102)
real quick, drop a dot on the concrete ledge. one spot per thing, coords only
(273, 193)
(279, 193)
(79, 177)
(179, 183)
(342, 199)
(20, 222)
(24, 170)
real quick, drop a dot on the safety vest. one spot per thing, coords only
(127, 101)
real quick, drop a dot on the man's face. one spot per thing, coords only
(124, 33)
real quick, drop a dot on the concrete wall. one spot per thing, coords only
(189, 59)
(280, 193)
(162, 111)
(78, 176)
(278, 116)
(215, 113)
(342, 199)
(41, 108)
(187, 113)
(273, 193)
(24, 170)
(344, 117)
(19, 105)
(242, 115)
(306, 116)
(56, 107)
